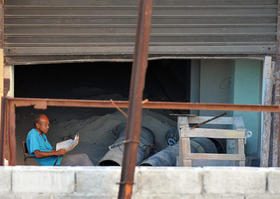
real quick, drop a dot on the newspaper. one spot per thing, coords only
(68, 145)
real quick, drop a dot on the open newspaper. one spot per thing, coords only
(68, 145)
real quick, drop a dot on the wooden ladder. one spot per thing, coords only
(235, 143)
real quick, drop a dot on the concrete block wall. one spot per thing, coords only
(150, 183)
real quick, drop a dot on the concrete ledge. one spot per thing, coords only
(100, 181)
(150, 183)
(263, 196)
(234, 180)
(274, 181)
(43, 180)
(168, 180)
(221, 196)
(5, 179)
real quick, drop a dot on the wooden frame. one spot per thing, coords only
(185, 154)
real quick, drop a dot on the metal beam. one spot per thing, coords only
(40, 103)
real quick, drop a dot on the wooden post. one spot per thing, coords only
(276, 117)
(238, 123)
(1, 95)
(275, 127)
(184, 143)
(12, 134)
(266, 130)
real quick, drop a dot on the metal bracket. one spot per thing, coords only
(121, 143)
(123, 182)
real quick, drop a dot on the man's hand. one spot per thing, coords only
(60, 152)
(43, 154)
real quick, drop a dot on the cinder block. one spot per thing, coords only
(82, 196)
(26, 196)
(6, 196)
(235, 180)
(274, 181)
(43, 180)
(220, 196)
(168, 180)
(188, 196)
(263, 196)
(5, 179)
(99, 181)
(164, 196)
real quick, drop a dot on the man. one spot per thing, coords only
(39, 146)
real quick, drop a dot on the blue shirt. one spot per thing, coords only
(37, 142)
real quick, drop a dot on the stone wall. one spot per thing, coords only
(150, 183)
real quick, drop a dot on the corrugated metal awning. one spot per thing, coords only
(40, 31)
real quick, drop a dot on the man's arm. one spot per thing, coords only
(41, 154)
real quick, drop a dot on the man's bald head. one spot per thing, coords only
(41, 123)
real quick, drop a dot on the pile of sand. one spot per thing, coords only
(96, 132)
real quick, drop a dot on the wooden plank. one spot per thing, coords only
(221, 120)
(212, 156)
(241, 151)
(214, 133)
(186, 149)
(187, 163)
(268, 85)
(181, 152)
(238, 122)
(232, 145)
(183, 122)
(184, 143)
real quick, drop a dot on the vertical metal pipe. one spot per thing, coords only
(135, 98)
(12, 134)
(2, 81)
(6, 126)
(2, 134)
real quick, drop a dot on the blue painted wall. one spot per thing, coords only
(248, 90)
(231, 81)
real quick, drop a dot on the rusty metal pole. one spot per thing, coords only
(12, 134)
(137, 84)
(2, 81)
(2, 134)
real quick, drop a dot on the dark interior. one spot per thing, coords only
(166, 80)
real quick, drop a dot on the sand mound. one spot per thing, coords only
(96, 133)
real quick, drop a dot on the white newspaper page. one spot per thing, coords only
(68, 145)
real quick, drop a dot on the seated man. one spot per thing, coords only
(39, 146)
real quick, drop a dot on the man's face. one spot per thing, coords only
(43, 124)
